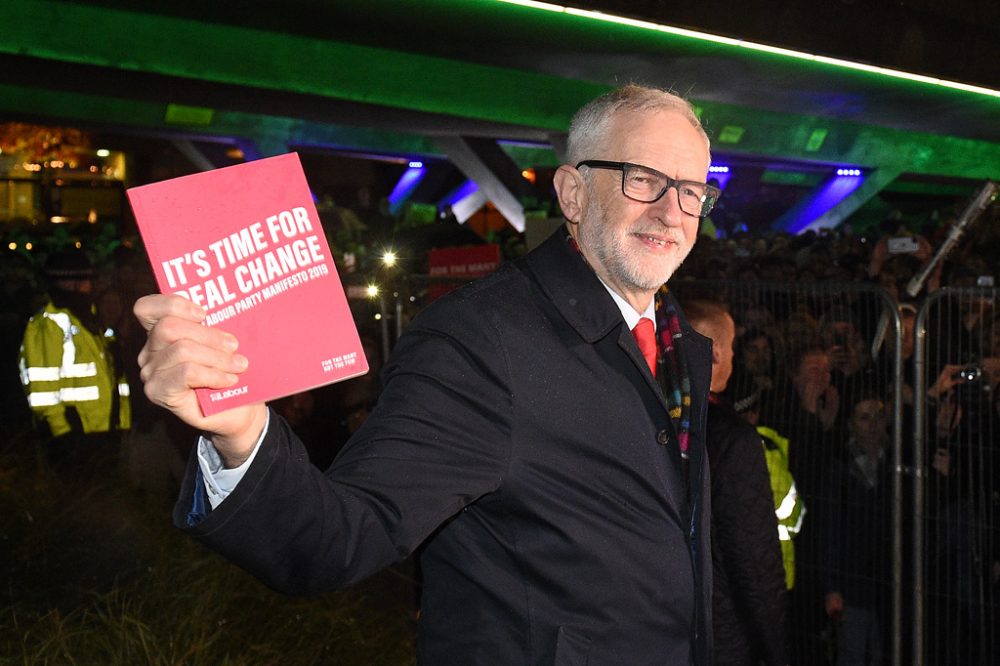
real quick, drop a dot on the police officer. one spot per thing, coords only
(79, 398)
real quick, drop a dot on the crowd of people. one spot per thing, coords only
(814, 363)
(813, 382)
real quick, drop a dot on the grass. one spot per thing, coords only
(95, 574)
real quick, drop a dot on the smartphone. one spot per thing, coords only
(903, 245)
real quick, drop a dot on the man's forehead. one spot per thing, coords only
(658, 136)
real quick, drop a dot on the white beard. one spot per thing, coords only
(627, 265)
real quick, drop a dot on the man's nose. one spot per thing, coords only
(667, 208)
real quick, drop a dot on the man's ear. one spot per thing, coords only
(716, 357)
(571, 192)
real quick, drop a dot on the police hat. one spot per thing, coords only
(68, 265)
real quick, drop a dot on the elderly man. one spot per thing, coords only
(552, 466)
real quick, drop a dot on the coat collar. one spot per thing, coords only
(580, 297)
(574, 289)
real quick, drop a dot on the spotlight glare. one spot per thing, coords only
(372, 290)
(389, 258)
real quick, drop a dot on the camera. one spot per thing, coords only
(903, 245)
(969, 373)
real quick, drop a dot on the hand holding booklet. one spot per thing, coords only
(245, 243)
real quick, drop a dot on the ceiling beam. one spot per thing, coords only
(177, 47)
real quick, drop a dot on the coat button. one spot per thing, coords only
(663, 437)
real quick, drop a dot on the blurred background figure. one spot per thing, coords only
(857, 537)
(70, 370)
(749, 605)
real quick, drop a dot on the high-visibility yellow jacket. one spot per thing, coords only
(788, 506)
(64, 365)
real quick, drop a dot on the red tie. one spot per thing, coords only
(645, 336)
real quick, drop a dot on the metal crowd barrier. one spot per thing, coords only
(851, 541)
(956, 499)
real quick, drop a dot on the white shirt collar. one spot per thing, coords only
(628, 312)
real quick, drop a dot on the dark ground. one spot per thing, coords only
(94, 573)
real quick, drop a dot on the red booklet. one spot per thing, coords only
(245, 243)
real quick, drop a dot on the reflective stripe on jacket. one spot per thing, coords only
(65, 365)
(788, 505)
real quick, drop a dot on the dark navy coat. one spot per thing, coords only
(521, 437)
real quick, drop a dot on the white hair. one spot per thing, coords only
(589, 129)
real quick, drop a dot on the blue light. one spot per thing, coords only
(830, 193)
(462, 191)
(720, 174)
(404, 188)
(416, 164)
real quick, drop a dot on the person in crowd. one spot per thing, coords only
(748, 599)
(893, 269)
(789, 507)
(857, 529)
(963, 531)
(70, 370)
(817, 397)
(550, 461)
(851, 367)
(808, 423)
(756, 370)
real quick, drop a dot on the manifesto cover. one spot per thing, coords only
(245, 243)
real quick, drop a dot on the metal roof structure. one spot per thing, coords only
(772, 82)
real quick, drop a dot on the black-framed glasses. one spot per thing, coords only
(647, 185)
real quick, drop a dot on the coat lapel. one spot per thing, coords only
(583, 302)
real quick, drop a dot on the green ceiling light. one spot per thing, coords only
(755, 46)
(815, 141)
(178, 114)
(797, 178)
(731, 134)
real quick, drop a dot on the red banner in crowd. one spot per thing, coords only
(451, 266)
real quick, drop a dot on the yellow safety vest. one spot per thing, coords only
(788, 505)
(65, 365)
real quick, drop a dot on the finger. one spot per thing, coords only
(172, 329)
(170, 387)
(189, 352)
(150, 309)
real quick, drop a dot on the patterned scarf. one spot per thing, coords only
(677, 380)
(672, 366)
